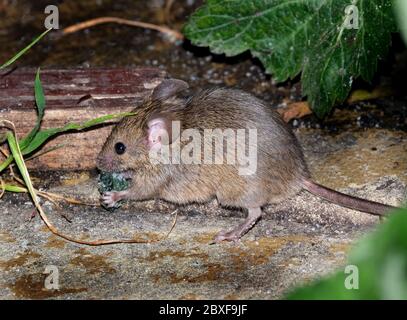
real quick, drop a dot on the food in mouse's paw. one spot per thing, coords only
(108, 184)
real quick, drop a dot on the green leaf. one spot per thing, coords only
(381, 262)
(290, 36)
(18, 55)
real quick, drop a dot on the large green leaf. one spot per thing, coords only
(400, 8)
(381, 262)
(290, 36)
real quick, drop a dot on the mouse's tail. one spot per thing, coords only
(347, 201)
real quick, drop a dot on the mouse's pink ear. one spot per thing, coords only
(168, 88)
(158, 132)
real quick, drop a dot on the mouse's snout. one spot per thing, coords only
(104, 162)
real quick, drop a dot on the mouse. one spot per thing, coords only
(137, 144)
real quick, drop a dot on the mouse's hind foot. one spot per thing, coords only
(235, 234)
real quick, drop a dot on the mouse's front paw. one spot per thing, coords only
(109, 199)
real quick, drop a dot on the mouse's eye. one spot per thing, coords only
(120, 148)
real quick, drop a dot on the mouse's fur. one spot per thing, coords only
(281, 168)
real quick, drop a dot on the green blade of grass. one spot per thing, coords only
(13, 188)
(18, 157)
(10, 159)
(6, 163)
(48, 150)
(40, 102)
(44, 135)
(15, 150)
(19, 54)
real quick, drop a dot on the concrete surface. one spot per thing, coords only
(297, 241)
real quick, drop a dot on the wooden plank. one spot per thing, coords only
(73, 96)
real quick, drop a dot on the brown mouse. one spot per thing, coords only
(281, 171)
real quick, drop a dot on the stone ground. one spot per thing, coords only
(297, 241)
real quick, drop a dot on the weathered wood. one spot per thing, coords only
(73, 96)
